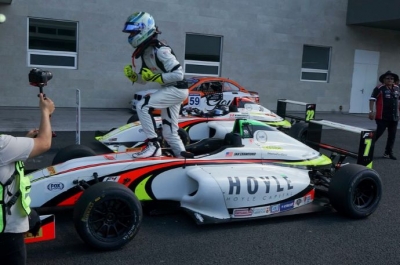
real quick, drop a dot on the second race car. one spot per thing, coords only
(194, 124)
(206, 93)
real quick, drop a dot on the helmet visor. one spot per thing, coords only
(133, 27)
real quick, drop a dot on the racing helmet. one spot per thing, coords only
(141, 26)
(221, 110)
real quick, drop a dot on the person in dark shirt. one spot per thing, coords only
(385, 97)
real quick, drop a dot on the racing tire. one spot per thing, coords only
(182, 134)
(71, 152)
(355, 191)
(107, 216)
(133, 118)
(299, 131)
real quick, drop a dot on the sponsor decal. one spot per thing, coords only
(216, 99)
(229, 154)
(259, 188)
(273, 147)
(113, 179)
(277, 154)
(55, 186)
(261, 136)
(298, 202)
(286, 206)
(140, 130)
(239, 115)
(260, 211)
(368, 135)
(52, 171)
(311, 106)
(275, 208)
(199, 217)
(112, 139)
(308, 199)
(242, 212)
(303, 201)
(86, 214)
(109, 157)
(244, 154)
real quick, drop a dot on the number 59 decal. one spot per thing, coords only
(194, 100)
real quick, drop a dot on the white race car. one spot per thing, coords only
(254, 171)
(194, 125)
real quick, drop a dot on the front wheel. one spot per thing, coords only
(355, 191)
(107, 216)
(72, 152)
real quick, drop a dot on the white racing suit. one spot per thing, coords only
(160, 59)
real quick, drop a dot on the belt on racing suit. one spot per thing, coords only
(179, 84)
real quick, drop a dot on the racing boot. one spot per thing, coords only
(152, 149)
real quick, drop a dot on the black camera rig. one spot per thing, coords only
(39, 78)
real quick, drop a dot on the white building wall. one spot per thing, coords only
(262, 47)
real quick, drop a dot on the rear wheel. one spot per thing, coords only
(71, 152)
(299, 131)
(355, 191)
(107, 216)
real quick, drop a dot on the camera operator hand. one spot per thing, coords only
(42, 141)
(46, 105)
(32, 133)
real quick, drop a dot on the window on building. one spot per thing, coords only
(52, 43)
(315, 63)
(203, 55)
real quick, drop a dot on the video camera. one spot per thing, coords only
(39, 77)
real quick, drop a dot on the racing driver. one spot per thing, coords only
(159, 65)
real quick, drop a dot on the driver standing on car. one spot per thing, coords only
(159, 65)
(15, 186)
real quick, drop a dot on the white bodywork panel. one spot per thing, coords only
(238, 186)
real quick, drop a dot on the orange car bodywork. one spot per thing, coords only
(204, 79)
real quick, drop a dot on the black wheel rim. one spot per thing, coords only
(365, 193)
(111, 219)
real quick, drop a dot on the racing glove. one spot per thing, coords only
(149, 76)
(34, 223)
(130, 74)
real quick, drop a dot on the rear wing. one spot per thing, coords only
(364, 155)
(309, 113)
